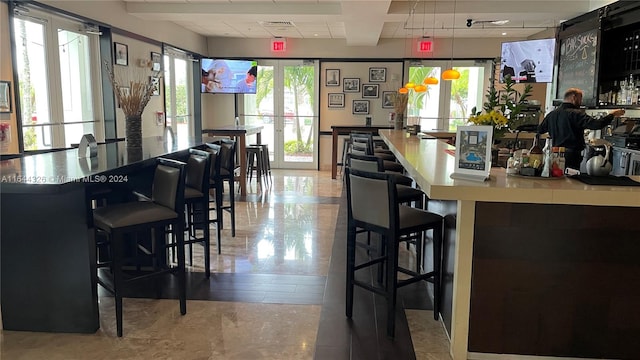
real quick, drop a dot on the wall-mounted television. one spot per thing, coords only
(528, 61)
(226, 76)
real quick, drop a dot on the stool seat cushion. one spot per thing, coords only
(128, 214)
(411, 218)
(408, 193)
(191, 193)
(393, 166)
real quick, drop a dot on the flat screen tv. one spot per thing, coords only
(528, 61)
(226, 76)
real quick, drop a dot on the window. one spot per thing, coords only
(56, 70)
(448, 104)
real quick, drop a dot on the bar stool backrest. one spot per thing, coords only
(371, 199)
(365, 163)
(198, 169)
(214, 151)
(168, 184)
(227, 154)
(361, 144)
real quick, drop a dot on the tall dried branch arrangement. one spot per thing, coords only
(400, 102)
(132, 90)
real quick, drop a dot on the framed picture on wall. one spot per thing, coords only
(360, 107)
(5, 97)
(121, 54)
(156, 61)
(155, 81)
(377, 74)
(388, 98)
(351, 85)
(370, 90)
(333, 77)
(336, 100)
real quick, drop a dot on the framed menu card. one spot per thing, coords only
(473, 153)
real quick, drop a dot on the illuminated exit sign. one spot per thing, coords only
(278, 45)
(425, 46)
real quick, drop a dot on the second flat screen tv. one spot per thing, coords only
(528, 61)
(226, 76)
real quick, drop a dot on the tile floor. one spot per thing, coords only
(273, 294)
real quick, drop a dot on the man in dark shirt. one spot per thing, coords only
(567, 123)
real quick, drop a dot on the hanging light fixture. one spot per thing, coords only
(452, 74)
(420, 88)
(431, 80)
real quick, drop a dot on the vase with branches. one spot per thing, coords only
(399, 107)
(132, 92)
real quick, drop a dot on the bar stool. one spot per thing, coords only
(166, 209)
(394, 223)
(266, 162)
(196, 198)
(226, 174)
(362, 144)
(255, 161)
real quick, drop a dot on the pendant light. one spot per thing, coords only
(452, 74)
(430, 80)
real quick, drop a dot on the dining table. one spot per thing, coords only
(239, 133)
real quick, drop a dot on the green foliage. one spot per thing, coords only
(297, 147)
(29, 138)
(509, 102)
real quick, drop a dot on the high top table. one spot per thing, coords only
(345, 130)
(48, 259)
(239, 133)
(540, 267)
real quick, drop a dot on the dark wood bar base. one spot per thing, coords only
(48, 263)
(556, 280)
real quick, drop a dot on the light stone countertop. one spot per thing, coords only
(430, 165)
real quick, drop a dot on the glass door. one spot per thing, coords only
(447, 104)
(285, 104)
(178, 94)
(56, 71)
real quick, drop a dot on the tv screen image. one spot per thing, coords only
(528, 61)
(225, 76)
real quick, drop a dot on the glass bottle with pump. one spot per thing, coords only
(546, 151)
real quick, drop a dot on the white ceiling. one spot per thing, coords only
(359, 22)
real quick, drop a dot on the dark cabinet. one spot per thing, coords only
(598, 51)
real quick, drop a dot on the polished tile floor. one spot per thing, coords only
(276, 292)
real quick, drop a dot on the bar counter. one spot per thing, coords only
(538, 267)
(48, 267)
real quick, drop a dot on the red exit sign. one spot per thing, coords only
(425, 46)
(278, 45)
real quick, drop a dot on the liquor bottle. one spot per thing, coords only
(614, 93)
(546, 168)
(535, 153)
(630, 89)
(561, 159)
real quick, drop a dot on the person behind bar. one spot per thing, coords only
(566, 125)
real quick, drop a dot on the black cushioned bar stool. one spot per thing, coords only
(226, 174)
(196, 198)
(381, 214)
(119, 221)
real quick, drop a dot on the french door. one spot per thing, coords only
(447, 104)
(178, 93)
(57, 67)
(285, 104)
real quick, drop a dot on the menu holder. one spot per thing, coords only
(473, 153)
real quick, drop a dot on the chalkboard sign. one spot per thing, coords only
(577, 65)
